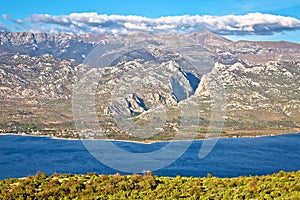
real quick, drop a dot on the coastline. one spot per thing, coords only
(234, 135)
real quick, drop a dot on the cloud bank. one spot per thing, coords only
(249, 24)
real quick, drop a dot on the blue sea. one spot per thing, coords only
(25, 155)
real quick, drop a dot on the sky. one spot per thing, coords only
(235, 19)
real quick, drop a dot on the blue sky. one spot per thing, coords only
(277, 19)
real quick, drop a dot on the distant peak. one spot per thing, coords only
(206, 34)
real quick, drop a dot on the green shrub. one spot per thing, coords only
(283, 185)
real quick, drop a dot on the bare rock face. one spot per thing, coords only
(260, 79)
(62, 46)
(37, 77)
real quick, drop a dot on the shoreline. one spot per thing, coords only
(228, 136)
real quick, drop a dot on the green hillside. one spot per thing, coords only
(282, 185)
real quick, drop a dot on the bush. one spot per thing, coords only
(148, 186)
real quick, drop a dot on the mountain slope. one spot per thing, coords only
(261, 82)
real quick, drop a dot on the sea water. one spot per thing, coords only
(25, 155)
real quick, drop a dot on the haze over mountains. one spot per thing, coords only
(261, 80)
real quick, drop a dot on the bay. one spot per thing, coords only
(231, 157)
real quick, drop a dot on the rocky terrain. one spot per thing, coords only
(162, 83)
(62, 46)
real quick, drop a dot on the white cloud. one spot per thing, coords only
(8, 18)
(5, 16)
(141, 26)
(250, 24)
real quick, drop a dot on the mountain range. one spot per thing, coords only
(40, 74)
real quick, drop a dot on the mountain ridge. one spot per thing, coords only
(260, 81)
(36, 44)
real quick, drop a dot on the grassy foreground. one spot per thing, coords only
(282, 185)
